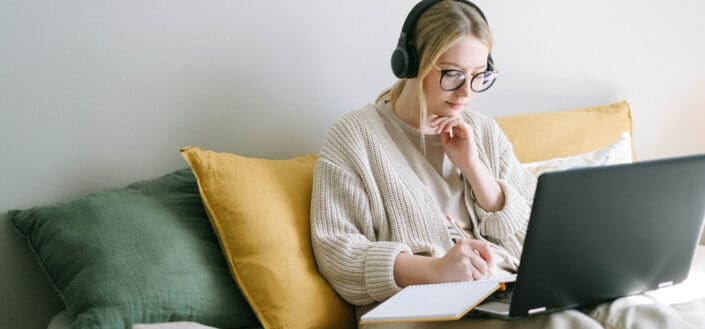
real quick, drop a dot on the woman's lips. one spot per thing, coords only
(456, 105)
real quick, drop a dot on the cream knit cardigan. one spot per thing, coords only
(368, 205)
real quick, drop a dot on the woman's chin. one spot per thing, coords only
(450, 109)
(447, 109)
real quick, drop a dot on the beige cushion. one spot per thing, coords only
(548, 135)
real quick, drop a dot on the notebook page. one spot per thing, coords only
(432, 302)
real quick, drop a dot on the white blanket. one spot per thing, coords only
(679, 306)
(645, 311)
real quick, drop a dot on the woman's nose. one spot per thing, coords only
(465, 90)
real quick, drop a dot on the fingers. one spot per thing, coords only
(483, 249)
(444, 124)
(475, 256)
(478, 266)
(448, 126)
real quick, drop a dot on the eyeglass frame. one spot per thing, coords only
(472, 77)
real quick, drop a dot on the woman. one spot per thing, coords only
(390, 175)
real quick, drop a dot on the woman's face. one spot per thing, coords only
(469, 55)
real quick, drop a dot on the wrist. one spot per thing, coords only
(413, 269)
(472, 167)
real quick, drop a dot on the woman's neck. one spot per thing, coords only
(407, 108)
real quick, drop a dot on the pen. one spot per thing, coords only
(457, 227)
(465, 235)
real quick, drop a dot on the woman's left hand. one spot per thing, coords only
(458, 140)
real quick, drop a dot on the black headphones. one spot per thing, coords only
(405, 60)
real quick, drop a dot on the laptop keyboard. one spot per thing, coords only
(502, 296)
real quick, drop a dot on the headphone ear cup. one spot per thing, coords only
(413, 68)
(400, 62)
(490, 62)
(405, 62)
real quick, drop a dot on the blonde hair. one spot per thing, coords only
(436, 31)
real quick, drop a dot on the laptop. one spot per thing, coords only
(596, 234)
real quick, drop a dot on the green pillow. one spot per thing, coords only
(141, 254)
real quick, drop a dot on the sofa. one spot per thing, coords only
(225, 241)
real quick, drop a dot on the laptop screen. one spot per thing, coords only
(600, 233)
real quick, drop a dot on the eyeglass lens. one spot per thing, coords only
(452, 80)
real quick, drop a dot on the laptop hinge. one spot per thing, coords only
(537, 310)
(665, 284)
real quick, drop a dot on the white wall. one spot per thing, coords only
(97, 94)
(559, 54)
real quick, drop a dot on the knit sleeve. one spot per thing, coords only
(359, 268)
(507, 227)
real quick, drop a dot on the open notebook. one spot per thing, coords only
(434, 302)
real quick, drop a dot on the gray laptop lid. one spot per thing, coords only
(600, 233)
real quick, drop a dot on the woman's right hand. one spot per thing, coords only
(468, 260)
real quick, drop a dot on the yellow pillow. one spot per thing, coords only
(548, 135)
(259, 210)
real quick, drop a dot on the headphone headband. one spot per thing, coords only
(405, 59)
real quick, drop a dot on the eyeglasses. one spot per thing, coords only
(452, 80)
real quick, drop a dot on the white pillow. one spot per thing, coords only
(616, 153)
